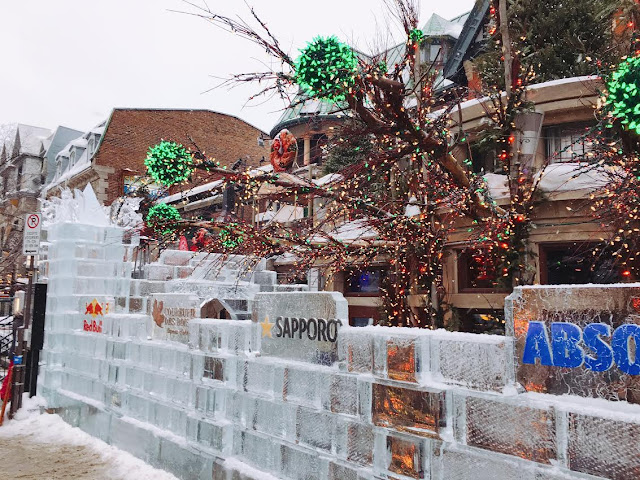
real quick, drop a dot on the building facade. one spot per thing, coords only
(111, 156)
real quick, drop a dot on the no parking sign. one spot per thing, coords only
(31, 237)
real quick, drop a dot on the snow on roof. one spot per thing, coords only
(78, 142)
(437, 26)
(261, 170)
(554, 179)
(498, 185)
(207, 187)
(288, 213)
(31, 138)
(349, 232)
(330, 178)
(537, 86)
(80, 166)
(571, 176)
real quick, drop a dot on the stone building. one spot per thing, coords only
(22, 170)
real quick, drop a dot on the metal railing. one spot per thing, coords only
(6, 336)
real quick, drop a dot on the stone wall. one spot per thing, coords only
(225, 403)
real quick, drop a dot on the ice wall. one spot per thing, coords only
(224, 400)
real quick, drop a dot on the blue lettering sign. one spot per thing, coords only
(622, 349)
(565, 345)
(537, 345)
(592, 339)
(571, 347)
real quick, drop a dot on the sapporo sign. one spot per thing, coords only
(31, 236)
(317, 329)
(300, 325)
(578, 340)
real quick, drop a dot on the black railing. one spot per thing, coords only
(6, 336)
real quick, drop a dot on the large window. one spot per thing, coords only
(479, 271)
(576, 263)
(567, 143)
(365, 281)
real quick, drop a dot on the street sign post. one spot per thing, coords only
(30, 247)
(31, 237)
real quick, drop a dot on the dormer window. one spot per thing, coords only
(72, 158)
(91, 146)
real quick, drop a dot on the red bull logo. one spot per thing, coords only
(95, 309)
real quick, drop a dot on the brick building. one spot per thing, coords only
(111, 156)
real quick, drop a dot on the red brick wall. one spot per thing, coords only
(130, 133)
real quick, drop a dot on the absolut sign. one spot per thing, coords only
(597, 347)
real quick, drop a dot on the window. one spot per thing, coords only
(567, 143)
(318, 142)
(72, 158)
(366, 281)
(300, 155)
(91, 146)
(575, 263)
(479, 271)
(434, 52)
(481, 321)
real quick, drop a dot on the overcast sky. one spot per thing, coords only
(69, 62)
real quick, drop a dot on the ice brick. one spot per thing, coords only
(466, 464)
(528, 432)
(314, 429)
(479, 362)
(600, 446)
(421, 412)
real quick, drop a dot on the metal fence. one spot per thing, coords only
(6, 336)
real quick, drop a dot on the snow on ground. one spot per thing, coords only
(43, 446)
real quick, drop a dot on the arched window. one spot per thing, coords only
(91, 146)
(72, 158)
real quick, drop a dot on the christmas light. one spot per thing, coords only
(326, 68)
(623, 94)
(162, 218)
(169, 163)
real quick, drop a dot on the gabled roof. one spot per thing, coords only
(302, 108)
(126, 136)
(30, 140)
(462, 50)
(437, 26)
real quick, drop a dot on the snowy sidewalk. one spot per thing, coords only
(35, 446)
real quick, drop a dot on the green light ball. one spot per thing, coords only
(162, 218)
(623, 97)
(326, 68)
(169, 163)
(416, 35)
(229, 239)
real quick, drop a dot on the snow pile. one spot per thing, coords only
(498, 185)
(571, 176)
(329, 178)
(54, 437)
(554, 179)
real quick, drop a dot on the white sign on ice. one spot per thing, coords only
(31, 237)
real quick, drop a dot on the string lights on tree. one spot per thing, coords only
(326, 68)
(169, 163)
(623, 93)
(162, 218)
